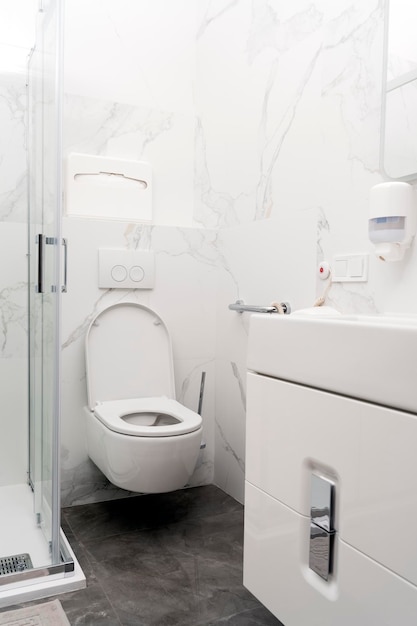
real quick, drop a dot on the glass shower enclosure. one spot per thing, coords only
(44, 95)
(33, 256)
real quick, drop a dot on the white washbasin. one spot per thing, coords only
(372, 357)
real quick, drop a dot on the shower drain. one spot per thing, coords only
(15, 563)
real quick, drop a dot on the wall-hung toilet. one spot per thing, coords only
(138, 435)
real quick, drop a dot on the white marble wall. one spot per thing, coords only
(17, 34)
(13, 281)
(261, 264)
(288, 126)
(164, 138)
(262, 121)
(400, 149)
(140, 52)
(13, 179)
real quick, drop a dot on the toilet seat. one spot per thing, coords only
(128, 355)
(111, 414)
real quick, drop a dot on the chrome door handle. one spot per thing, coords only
(64, 287)
(40, 282)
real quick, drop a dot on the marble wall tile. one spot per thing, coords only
(229, 463)
(13, 421)
(244, 114)
(17, 27)
(188, 374)
(400, 150)
(13, 179)
(142, 52)
(13, 290)
(162, 137)
(262, 265)
(13, 281)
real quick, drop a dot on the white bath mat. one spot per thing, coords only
(46, 614)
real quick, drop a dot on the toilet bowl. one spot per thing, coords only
(137, 434)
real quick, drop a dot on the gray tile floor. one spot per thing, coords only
(161, 560)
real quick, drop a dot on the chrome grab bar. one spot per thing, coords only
(241, 307)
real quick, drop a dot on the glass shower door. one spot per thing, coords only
(44, 270)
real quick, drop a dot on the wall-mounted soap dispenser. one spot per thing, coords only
(392, 220)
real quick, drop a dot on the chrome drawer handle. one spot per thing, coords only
(322, 531)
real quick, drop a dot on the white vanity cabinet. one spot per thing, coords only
(368, 453)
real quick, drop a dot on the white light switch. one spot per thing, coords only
(125, 269)
(350, 268)
(340, 267)
(355, 267)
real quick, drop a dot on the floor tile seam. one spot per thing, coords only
(161, 571)
(208, 555)
(70, 526)
(92, 565)
(124, 533)
(165, 585)
(169, 534)
(176, 552)
(167, 593)
(174, 595)
(143, 529)
(249, 598)
(92, 608)
(186, 494)
(112, 535)
(207, 558)
(152, 528)
(210, 514)
(119, 622)
(212, 517)
(206, 543)
(242, 613)
(169, 545)
(109, 504)
(102, 589)
(220, 619)
(199, 593)
(257, 608)
(83, 541)
(207, 516)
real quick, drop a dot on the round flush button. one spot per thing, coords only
(119, 273)
(136, 273)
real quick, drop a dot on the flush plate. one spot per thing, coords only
(126, 269)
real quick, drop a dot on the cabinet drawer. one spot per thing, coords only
(367, 450)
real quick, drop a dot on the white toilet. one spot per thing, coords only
(138, 435)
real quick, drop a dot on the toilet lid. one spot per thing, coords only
(128, 355)
(148, 417)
